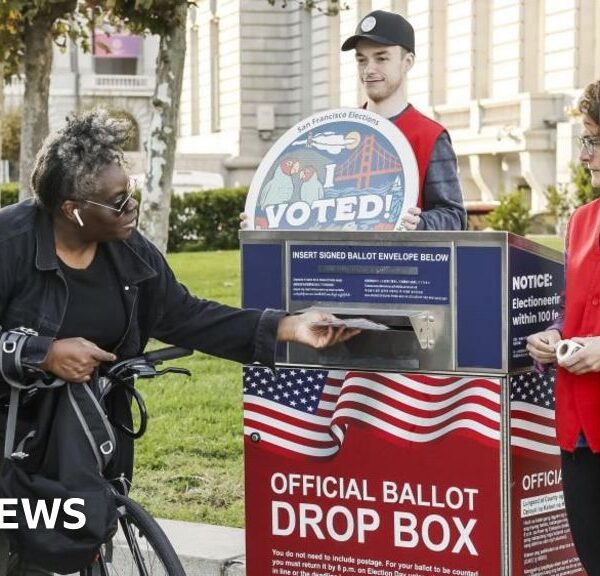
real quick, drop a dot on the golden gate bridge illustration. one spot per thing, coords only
(367, 160)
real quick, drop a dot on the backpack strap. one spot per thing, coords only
(11, 371)
(94, 423)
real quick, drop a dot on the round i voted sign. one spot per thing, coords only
(342, 169)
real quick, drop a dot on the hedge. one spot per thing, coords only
(206, 220)
(198, 221)
(9, 193)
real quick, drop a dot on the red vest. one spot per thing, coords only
(578, 397)
(422, 133)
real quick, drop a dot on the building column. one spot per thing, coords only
(538, 169)
(531, 33)
(485, 172)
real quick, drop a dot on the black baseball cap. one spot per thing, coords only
(384, 28)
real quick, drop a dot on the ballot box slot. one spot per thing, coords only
(406, 339)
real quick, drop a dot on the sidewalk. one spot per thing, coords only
(206, 550)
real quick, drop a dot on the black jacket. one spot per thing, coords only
(33, 294)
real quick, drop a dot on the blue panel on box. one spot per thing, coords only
(535, 285)
(479, 307)
(262, 276)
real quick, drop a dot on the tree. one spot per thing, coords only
(166, 19)
(27, 32)
(8, 32)
(328, 7)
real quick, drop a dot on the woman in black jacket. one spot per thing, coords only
(75, 271)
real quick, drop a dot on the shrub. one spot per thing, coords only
(9, 193)
(512, 214)
(206, 220)
(559, 207)
(582, 181)
(11, 135)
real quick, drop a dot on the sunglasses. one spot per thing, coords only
(121, 203)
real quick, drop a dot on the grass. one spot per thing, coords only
(554, 242)
(189, 464)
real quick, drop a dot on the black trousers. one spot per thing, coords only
(581, 487)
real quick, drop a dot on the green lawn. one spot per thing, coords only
(189, 463)
(550, 241)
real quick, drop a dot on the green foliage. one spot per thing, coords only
(59, 17)
(143, 16)
(11, 135)
(206, 220)
(327, 7)
(512, 214)
(9, 193)
(558, 203)
(582, 181)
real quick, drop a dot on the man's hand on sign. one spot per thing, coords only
(542, 346)
(411, 219)
(301, 328)
(585, 360)
(243, 221)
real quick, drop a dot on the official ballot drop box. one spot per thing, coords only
(424, 448)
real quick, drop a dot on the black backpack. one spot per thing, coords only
(54, 456)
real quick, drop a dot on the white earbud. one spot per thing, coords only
(78, 217)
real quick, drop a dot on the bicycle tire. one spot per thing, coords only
(139, 548)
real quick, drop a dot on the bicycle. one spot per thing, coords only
(140, 547)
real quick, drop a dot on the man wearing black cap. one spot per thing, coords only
(385, 52)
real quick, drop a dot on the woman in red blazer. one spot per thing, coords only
(578, 376)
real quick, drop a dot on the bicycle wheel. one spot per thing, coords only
(140, 547)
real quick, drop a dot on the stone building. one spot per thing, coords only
(501, 75)
(118, 74)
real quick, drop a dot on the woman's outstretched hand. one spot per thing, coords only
(303, 329)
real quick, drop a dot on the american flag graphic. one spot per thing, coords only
(306, 411)
(532, 412)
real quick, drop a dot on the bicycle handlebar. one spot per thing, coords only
(171, 353)
(121, 373)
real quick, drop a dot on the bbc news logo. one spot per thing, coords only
(38, 513)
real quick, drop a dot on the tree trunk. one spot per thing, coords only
(34, 127)
(37, 60)
(2, 164)
(156, 196)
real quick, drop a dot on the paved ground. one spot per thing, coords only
(207, 550)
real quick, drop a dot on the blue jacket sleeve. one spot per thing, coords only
(443, 207)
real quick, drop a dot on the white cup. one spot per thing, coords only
(566, 348)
